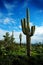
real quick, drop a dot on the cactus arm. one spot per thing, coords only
(32, 30)
(25, 24)
(23, 27)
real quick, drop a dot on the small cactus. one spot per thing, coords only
(12, 37)
(27, 31)
(20, 36)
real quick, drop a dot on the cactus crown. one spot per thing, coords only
(25, 25)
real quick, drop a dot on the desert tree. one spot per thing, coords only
(6, 38)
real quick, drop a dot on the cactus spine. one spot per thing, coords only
(20, 36)
(27, 31)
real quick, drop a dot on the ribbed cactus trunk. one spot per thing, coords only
(27, 31)
(28, 40)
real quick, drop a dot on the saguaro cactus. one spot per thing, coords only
(20, 36)
(12, 37)
(27, 31)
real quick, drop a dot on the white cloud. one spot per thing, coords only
(37, 37)
(9, 6)
(8, 20)
(16, 35)
(39, 30)
(2, 32)
(31, 24)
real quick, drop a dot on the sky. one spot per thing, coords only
(11, 13)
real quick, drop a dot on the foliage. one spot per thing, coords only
(6, 38)
(14, 54)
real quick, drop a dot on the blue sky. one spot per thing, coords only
(12, 11)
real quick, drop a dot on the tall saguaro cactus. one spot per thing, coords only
(27, 31)
(20, 36)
